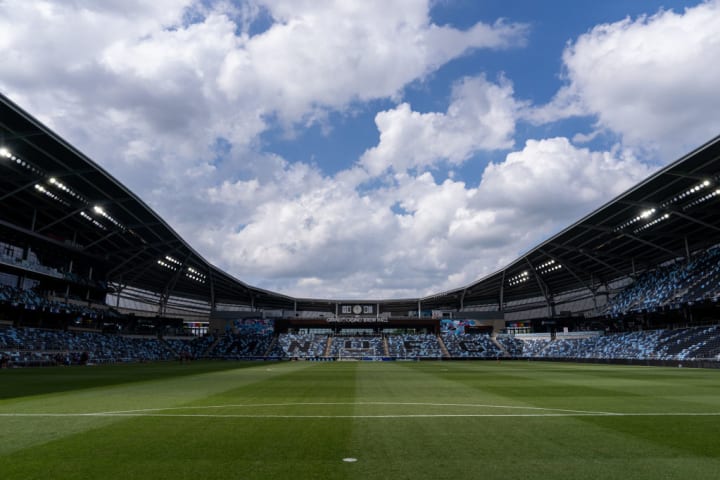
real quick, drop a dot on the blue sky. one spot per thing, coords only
(535, 70)
(368, 149)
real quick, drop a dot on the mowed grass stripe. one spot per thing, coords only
(125, 388)
(532, 447)
(19, 383)
(195, 447)
(573, 386)
(396, 446)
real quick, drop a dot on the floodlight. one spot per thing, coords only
(4, 152)
(647, 213)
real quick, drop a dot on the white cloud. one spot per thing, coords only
(653, 80)
(551, 180)
(148, 88)
(326, 54)
(481, 116)
(326, 237)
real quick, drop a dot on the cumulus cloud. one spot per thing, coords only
(184, 67)
(325, 54)
(416, 234)
(652, 80)
(481, 116)
(551, 173)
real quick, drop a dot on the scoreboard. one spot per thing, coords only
(357, 309)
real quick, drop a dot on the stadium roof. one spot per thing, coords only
(53, 194)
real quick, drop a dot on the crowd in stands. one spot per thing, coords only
(190, 347)
(35, 266)
(29, 264)
(32, 346)
(468, 345)
(300, 345)
(30, 300)
(414, 345)
(693, 281)
(357, 347)
(678, 344)
(513, 345)
(236, 345)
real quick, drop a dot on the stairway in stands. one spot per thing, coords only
(328, 346)
(500, 346)
(212, 346)
(443, 348)
(271, 346)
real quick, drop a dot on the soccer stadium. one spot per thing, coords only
(129, 350)
(92, 276)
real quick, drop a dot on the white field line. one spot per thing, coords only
(534, 411)
(420, 415)
(323, 404)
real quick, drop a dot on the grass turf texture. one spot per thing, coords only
(399, 420)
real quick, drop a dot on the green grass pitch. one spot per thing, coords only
(414, 420)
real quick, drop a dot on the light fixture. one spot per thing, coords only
(519, 278)
(173, 260)
(92, 220)
(653, 223)
(647, 213)
(166, 265)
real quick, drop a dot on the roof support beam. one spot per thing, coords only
(145, 246)
(650, 244)
(595, 258)
(18, 136)
(695, 220)
(18, 190)
(674, 211)
(211, 279)
(104, 237)
(570, 269)
(146, 266)
(693, 176)
(541, 285)
(142, 225)
(170, 286)
(124, 262)
(633, 237)
(61, 219)
(501, 306)
(597, 253)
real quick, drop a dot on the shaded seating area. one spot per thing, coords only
(672, 285)
(471, 346)
(357, 346)
(418, 345)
